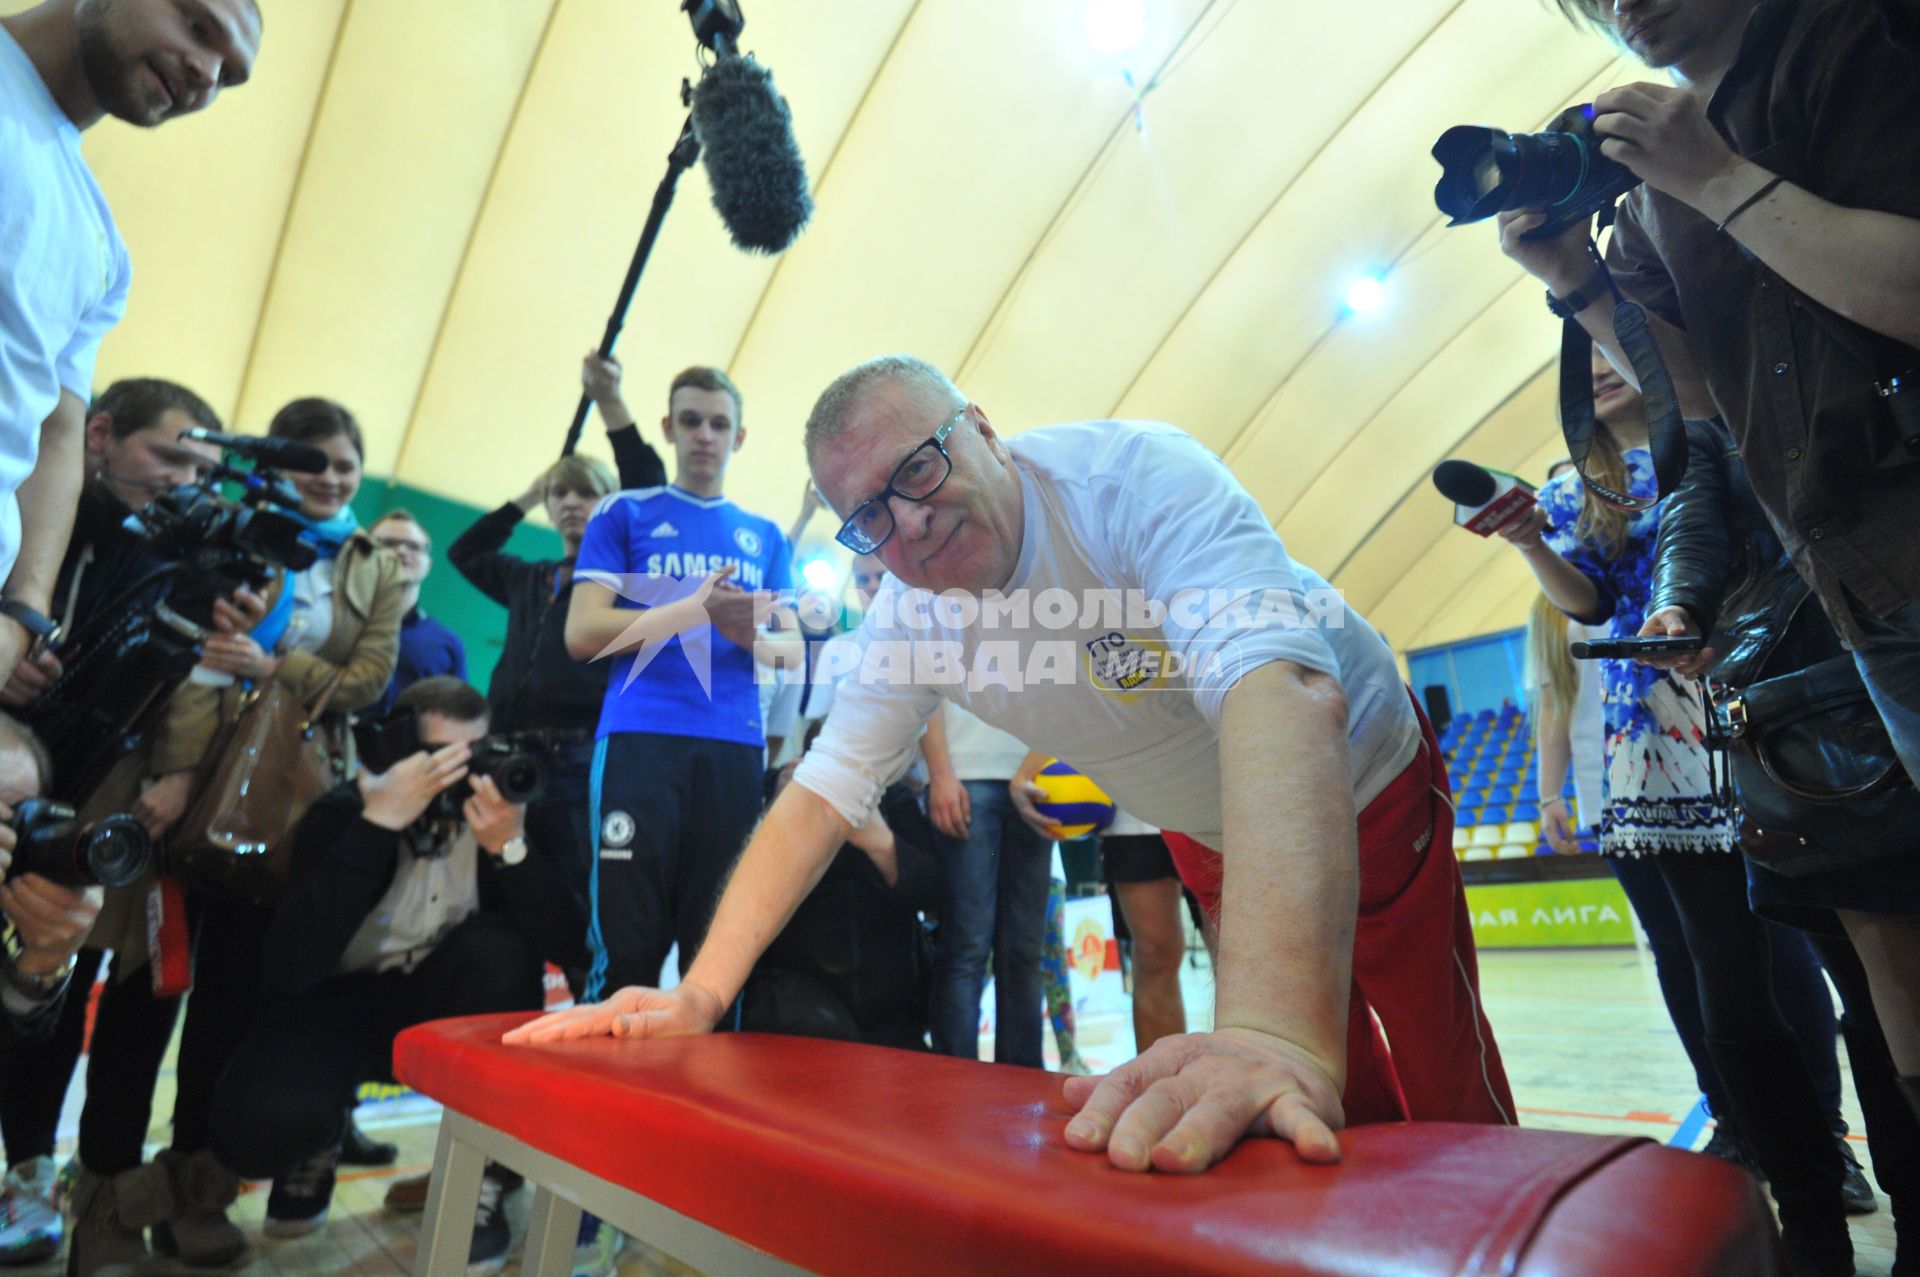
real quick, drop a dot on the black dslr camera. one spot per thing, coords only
(125, 658)
(49, 840)
(516, 761)
(1560, 169)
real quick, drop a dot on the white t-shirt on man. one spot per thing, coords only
(63, 274)
(1121, 519)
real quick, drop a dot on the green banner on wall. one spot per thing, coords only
(1570, 913)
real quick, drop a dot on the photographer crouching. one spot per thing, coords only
(413, 897)
(45, 921)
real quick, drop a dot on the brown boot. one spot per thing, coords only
(200, 1234)
(111, 1214)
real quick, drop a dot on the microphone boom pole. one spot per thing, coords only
(716, 24)
(681, 158)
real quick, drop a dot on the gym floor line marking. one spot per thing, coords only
(1631, 1115)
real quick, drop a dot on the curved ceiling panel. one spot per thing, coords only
(425, 210)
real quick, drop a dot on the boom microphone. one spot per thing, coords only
(1484, 501)
(276, 454)
(753, 164)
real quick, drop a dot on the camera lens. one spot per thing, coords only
(114, 850)
(521, 778)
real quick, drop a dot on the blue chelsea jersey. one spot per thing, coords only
(655, 545)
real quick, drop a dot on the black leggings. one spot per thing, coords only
(286, 1095)
(1732, 958)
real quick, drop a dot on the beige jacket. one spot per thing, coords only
(363, 645)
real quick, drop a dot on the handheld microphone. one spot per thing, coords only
(1484, 501)
(753, 164)
(277, 454)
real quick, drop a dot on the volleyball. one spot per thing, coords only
(1073, 801)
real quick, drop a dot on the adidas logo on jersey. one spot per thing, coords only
(665, 530)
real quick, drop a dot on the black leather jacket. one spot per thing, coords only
(1719, 559)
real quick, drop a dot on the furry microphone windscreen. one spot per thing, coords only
(753, 164)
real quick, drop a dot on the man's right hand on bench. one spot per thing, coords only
(633, 1012)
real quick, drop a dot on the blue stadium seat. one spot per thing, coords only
(1526, 811)
(1468, 798)
(1494, 815)
(1465, 817)
(1507, 776)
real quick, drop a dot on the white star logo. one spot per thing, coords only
(651, 629)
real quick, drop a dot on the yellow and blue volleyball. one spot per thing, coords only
(1073, 801)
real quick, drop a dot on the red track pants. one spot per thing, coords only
(1413, 960)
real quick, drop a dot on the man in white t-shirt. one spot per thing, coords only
(65, 65)
(1108, 593)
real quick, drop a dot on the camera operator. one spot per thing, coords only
(1782, 193)
(45, 922)
(399, 911)
(134, 453)
(536, 684)
(335, 622)
(853, 963)
(64, 272)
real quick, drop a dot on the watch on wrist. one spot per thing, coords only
(513, 850)
(38, 988)
(43, 629)
(1582, 297)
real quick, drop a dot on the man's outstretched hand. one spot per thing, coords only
(633, 1012)
(1189, 1099)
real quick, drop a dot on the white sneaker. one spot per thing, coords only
(30, 1224)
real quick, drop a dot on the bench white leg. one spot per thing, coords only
(446, 1233)
(553, 1226)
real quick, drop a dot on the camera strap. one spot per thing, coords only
(1666, 431)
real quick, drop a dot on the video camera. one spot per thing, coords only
(515, 761)
(1560, 169)
(121, 662)
(49, 840)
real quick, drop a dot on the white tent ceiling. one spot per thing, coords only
(423, 208)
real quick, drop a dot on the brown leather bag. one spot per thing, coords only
(265, 771)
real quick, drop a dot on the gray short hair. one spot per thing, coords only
(837, 401)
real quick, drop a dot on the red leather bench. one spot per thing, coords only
(744, 1153)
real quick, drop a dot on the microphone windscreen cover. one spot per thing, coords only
(1464, 483)
(753, 164)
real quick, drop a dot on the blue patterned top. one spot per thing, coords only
(1625, 584)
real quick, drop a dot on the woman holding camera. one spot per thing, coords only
(1595, 562)
(337, 622)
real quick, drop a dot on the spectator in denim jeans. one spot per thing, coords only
(997, 870)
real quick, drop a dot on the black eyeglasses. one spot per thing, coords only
(916, 478)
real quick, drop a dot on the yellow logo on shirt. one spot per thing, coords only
(1125, 667)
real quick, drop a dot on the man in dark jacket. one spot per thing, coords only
(853, 963)
(395, 914)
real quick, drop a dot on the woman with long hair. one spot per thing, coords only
(1594, 561)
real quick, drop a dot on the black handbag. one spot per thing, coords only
(1813, 770)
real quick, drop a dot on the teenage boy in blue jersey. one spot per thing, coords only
(671, 582)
